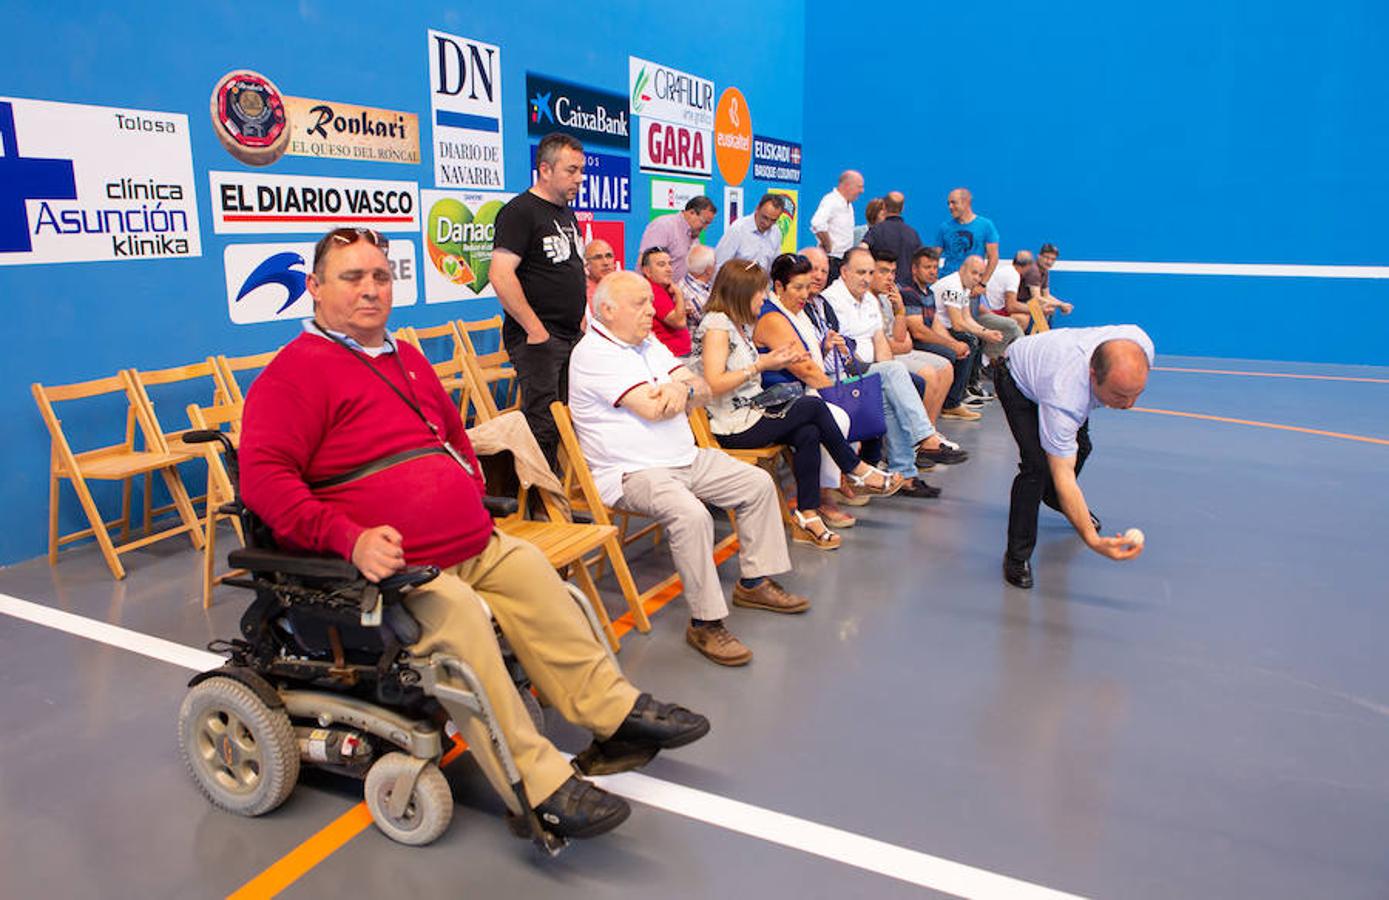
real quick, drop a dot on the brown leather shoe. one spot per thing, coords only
(769, 596)
(718, 644)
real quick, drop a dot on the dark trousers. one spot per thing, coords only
(806, 427)
(1033, 485)
(542, 377)
(956, 394)
(835, 263)
(975, 369)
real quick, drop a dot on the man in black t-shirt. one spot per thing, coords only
(538, 272)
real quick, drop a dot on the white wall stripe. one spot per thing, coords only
(845, 847)
(1257, 270)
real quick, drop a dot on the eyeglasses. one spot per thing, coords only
(346, 236)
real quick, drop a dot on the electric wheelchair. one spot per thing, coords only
(320, 676)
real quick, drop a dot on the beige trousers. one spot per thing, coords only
(550, 636)
(676, 497)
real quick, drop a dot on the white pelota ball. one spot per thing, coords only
(1134, 536)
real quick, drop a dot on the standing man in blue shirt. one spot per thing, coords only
(966, 234)
(754, 238)
(1047, 385)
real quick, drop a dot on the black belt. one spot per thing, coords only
(376, 465)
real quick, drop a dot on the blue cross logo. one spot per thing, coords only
(540, 107)
(24, 179)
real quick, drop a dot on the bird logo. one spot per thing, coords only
(278, 269)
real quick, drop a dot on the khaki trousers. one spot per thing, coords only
(550, 636)
(676, 497)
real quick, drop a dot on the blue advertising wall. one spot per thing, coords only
(1182, 131)
(81, 320)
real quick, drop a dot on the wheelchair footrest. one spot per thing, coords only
(595, 761)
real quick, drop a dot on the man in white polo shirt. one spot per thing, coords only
(628, 396)
(833, 222)
(912, 440)
(1001, 293)
(1047, 385)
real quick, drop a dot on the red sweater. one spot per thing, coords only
(316, 412)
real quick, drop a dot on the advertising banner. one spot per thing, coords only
(266, 282)
(660, 92)
(733, 136)
(668, 195)
(458, 230)
(259, 203)
(331, 130)
(776, 160)
(86, 183)
(788, 219)
(465, 96)
(593, 116)
(732, 205)
(612, 232)
(607, 184)
(675, 149)
(257, 124)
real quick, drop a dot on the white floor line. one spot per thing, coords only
(1251, 270)
(845, 847)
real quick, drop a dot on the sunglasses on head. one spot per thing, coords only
(341, 237)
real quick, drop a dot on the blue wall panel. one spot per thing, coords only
(76, 321)
(1183, 132)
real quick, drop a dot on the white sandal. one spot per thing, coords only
(892, 482)
(801, 533)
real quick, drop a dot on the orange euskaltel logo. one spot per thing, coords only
(258, 124)
(733, 136)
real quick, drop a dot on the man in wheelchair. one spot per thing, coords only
(351, 447)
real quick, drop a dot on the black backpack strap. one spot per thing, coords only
(376, 465)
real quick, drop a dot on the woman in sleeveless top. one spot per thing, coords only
(732, 366)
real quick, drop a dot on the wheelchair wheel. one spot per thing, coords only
(241, 753)
(427, 814)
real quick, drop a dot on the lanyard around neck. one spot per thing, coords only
(408, 401)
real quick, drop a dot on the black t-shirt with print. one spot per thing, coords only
(551, 271)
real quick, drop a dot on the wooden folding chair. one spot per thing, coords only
(219, 417)
(495, 365)
(117, 462)
(1039, 318)
(188, 376)
(762, 457)
(232, 366)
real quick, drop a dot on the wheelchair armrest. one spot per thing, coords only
(408, 577)
(499, 507)
(328, 567)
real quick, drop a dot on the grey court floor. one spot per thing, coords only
(1210, 720)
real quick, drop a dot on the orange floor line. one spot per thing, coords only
(293, 865)
(1272, 374)
(297, 863)
(1274, 425)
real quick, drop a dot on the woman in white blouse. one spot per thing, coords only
(733, 368)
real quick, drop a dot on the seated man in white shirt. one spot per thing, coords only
(912, 440)
(1001, 293)
(953, 293)
(628, 397)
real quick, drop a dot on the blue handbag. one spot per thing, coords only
(862, 398)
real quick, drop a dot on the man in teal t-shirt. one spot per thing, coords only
(966, 234)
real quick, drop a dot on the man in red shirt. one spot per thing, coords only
(669, 326)
(342, 396)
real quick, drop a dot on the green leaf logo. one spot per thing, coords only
(638, 97)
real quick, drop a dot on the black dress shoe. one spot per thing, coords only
(920, 490)
(1019, 575)
(946, 456)
(651, 726)
(581, 809)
